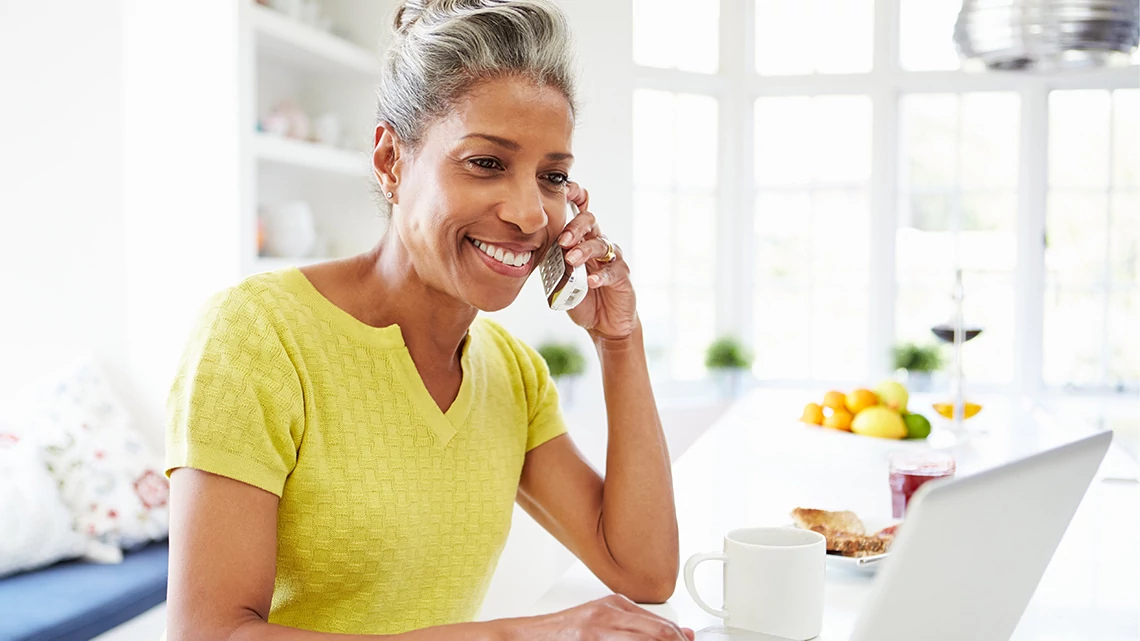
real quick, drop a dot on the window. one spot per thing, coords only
(674, 225)
(840, 36)
(812, 226)
(1092, 256)
(800, 188)
(958, 209)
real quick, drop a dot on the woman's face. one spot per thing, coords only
(484, 195)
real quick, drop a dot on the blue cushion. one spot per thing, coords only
(79, 600)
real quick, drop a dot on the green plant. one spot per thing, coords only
(563, 359)
(727, 352)
(917, 358)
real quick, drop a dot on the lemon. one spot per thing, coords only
(893, 395)
(879, 421)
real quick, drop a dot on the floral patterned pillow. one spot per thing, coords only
(109, 478)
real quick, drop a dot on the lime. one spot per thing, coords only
(916, 426)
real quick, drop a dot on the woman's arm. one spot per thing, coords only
(223, 552)
(223, 557)
(625, 527)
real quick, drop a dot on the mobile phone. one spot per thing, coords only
(564, 286)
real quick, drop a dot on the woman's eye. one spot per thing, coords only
(486, 163)
(557, 179)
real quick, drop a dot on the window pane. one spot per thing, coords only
(673, 254)
(1074, 327)
(988, 211)
(676, 34)
(1076, 233)
(926, 34)
(928, 212)
(783, 239)
(1124, 242)
(839, 333)
(930, 138)
(783, 337)
(784, 153)
(824, 36)
(841, 138)
(989, 140)
(1126, 138)
(1078, 138)
(841, 238)
(1124, 339)
(823, 139)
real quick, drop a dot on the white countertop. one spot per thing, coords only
(756, 464)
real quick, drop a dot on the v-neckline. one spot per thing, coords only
(443, 424)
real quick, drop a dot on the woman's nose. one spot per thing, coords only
(525, 210)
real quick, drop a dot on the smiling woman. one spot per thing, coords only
(345, 441)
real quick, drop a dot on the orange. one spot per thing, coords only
(838, 419)
(861, 399)
(947, 409)
(813, 414)
(835, 400)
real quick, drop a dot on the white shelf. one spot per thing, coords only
(298, 153)
(299, 45)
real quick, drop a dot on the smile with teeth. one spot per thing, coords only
(504, 257)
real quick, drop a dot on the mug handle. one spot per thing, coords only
(690, 567)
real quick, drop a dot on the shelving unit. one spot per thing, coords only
(284, 59)
(296, 44)
(271, 149)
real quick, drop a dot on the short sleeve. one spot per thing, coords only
(236, 408)
(545, 413)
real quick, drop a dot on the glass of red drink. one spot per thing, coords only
(910, 470)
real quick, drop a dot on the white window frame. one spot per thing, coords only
(736, 87)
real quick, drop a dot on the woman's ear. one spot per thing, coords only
(386, 167)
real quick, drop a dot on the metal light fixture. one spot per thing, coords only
(1047, 34)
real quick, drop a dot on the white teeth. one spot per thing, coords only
(505, 257)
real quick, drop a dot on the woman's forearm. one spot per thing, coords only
(639, 520)
(259, 630)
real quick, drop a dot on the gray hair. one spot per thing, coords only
(443, 48)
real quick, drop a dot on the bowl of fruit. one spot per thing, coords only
(880, 413)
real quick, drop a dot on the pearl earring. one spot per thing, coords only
(388, 194)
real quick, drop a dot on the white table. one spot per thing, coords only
(755, 465)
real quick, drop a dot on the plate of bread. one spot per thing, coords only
(852, 543)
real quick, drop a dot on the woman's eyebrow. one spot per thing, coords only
(514, 146)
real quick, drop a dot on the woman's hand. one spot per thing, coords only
(610, 307)
(609, 618)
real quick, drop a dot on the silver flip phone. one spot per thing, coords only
(565, 287)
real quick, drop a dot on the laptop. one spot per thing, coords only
(972, 550)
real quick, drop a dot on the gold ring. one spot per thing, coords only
(610, 253)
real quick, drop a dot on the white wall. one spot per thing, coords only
(62, 264)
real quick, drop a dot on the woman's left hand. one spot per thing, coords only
(610, 307)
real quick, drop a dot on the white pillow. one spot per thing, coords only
(37, 525)
(108, 476)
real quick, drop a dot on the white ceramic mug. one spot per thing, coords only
(773, 581)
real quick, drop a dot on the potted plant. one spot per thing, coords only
(566, 364)
(916, 363)
(729, 361)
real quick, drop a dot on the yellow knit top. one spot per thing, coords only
(392, 512)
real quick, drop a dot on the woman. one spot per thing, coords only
(346, 441)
